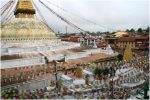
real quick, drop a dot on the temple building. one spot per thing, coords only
(136, 42)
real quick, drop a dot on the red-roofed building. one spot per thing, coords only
(102, 45)
(73, 38)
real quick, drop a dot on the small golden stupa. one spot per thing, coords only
(127, 53)
(78, 73)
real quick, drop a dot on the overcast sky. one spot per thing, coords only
(114, 14)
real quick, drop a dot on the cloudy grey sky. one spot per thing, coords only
(114, 14)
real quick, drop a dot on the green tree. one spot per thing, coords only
(98, 32)
(107, 32)
(106, 71)
(146, 89)
(132, 30)
(147, 29)
(98, 71)
(120, 57)
(139, 30)
(127, 30)
(81, 33)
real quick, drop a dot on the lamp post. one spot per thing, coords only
(146, 88)
(55, 69)
(112, 85)
(112, 88)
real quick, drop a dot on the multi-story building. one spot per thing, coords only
(136, 42)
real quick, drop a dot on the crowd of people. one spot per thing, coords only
(103, 93)
(13, 93)
(23, 74)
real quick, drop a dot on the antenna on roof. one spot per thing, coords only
(66, 30)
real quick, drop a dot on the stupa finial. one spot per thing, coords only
(24, 9)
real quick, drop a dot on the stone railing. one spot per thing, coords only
(39, 48)
(22, 62)
(55, 57)
(74, 55)
(32, 84)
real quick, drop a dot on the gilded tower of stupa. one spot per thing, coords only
(24, 9)
(25, 27)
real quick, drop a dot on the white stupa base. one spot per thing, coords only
(133, 84)
(78, 82)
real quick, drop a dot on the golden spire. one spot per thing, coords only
(127, 53)
(24, 9)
